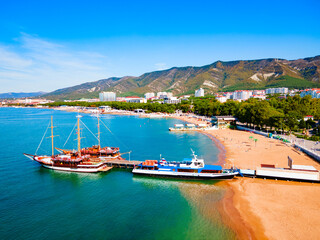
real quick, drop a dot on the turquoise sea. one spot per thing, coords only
(38, 203)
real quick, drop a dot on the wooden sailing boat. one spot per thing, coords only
(71, 162)
(96, 151)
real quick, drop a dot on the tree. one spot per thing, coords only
(302, 124)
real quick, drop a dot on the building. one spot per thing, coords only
(314, 93)
(199, 93)
(172, 100)
(261, 97)
(221, 98)
(223, 121)
(105, 108)
(259, 92)
(241, 95)
(107, 96)
(185, 97)
(31, 101)
(135, 99)
(163, 95)
(139, 111)
(277, 90)
(120, 99)
(308, 117)
(149, 95)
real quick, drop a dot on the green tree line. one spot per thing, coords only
(275, 113)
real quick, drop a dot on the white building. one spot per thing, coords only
(262, 97)
(241, 95)
(172, 100)
(107, 96)
(163, 95)
(149, 95)
(185, 97)
(199, 92)
(135, 100)
(259, 92)
(306, 118)
(277, 90)
(105, 108)
(221, 98)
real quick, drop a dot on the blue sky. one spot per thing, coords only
(46, 45)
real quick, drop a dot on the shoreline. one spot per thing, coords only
(229, 214)
(257, 208)
(253, 215)
(264, 209)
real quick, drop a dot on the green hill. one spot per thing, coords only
(219, 76)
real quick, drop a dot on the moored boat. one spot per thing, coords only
(104, 153)
(73, 161)
(190, 168)
(69, 163)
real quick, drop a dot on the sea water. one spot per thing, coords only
(38, 203)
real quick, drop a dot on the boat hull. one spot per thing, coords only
(181, 175)
(78, 169)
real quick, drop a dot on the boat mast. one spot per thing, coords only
(79, 136)
(52, 145)
(99, 146)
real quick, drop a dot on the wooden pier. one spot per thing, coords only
(105, 169)
(122, 163)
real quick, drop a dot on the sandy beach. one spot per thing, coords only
(266, 209)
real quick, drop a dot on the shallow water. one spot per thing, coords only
(37, 203)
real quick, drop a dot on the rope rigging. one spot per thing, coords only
(42, 139)
(114, 135)
(90, 131)
(70, 135)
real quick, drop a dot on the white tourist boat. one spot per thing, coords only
(190, 168)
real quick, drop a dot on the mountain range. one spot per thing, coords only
(20, 94)
(218, 76)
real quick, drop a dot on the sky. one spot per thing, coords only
(48, 45)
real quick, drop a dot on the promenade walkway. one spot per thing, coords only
(309, 147)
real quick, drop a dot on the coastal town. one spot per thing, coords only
(165, 120)
(168, 98)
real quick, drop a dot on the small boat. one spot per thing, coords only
(72, 162)
(190, 168)
(191, 127)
